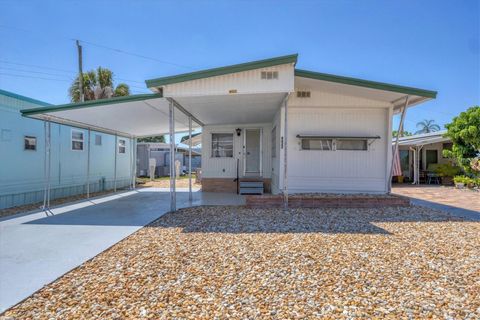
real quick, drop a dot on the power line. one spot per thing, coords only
(106, 47)
(32, 71)
(56, 69)
(33, 77)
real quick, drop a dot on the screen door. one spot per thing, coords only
(253, 150)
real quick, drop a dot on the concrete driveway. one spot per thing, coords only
(36, 249)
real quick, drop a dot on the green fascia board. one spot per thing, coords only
(185, 138)
(222, 70)
(23, 98)
(365, 83)
(91, 103)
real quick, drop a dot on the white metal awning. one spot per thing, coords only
(133, 116)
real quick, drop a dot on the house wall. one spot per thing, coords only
(220, 172)
(338, 171)
(243, 82)
(22, 171)
(432, 146)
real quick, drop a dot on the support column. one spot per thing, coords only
(399, 133)
(115, 165)
(173, 200)
(49, 162)
(88, 165)
(285, 157)
(47, 166)
(134, 164)
(190, 195)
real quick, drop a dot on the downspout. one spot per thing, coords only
(399, 133)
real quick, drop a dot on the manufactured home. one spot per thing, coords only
(22, 156)
(291, 130)
(419, 153)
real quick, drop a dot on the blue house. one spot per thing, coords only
(22, 156)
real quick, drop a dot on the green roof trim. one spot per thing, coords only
(222, 70)
(91, 103)
(23, 98)
(365, 83)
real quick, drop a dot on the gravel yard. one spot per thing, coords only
(220, 262)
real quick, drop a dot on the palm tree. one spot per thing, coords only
(427, 126)
(97, 85)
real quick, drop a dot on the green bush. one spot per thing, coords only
(447, 170)
(467, 181)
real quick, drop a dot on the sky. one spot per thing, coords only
(431, 45)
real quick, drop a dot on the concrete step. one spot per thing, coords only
(245, 190)
(251, 184)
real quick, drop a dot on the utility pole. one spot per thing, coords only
(80, 71)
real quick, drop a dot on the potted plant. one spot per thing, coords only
(447, 171)
(459, 182)
(400, 179)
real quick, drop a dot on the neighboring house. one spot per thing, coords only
(295, 130)
(161, 153)
(22, 151)
(420, 151)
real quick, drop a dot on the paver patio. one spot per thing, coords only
(233, 262)
(447, 196)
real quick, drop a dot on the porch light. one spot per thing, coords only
(238, 131)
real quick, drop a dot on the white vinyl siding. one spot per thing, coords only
(339, 170)
(241, 82)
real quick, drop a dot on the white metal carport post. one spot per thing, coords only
(173, 200)
(88, 164)
(399, 133)
(285, 155)
(47, 166)
(190, 196)
(115, 165)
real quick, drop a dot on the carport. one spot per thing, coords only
(153, 114)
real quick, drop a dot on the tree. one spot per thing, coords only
(427, 126)
(152, 139)
(97, 84)
(464, 131)
(404, 133)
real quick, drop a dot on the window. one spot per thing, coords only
(274, 142)
(222, 145)
(333, 144)
(317, 144)
(303, 94)
(121, 146)
(269, 75)
(77, 140)
(354, 144)
(30, 143)
(432, 157)
(98, 140)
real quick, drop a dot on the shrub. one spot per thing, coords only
(447, 170)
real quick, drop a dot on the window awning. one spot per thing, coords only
(309, 136)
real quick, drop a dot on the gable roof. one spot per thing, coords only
(365, 83)
(222, 70)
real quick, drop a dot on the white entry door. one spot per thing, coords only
(253, 152)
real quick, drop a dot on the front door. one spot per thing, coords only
(253, 152)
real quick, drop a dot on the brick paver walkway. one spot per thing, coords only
(464, 199)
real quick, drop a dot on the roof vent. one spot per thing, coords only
(269, 75)
(303, 94)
